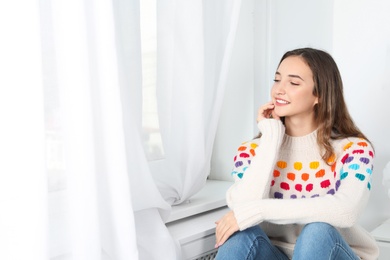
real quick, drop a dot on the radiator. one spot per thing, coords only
(207, 256)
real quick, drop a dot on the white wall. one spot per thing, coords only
(355, 32)
(236, 121)
(361, 47)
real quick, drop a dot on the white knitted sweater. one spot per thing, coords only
(282, 183)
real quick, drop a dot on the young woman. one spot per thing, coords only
(303, 182)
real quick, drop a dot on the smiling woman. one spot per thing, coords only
(303, 173)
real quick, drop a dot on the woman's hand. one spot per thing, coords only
(266, 111)
(226, 227)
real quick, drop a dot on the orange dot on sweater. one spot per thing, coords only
(332, 158)
(314, 165)
(333, 167)
(242, 148)
(281, 164)
(276, 173)
(364, 144)
(298, 166)
(320, 173)
(291, 176)
(252, 151)
(305, 176)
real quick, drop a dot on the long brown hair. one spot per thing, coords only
(331, 113)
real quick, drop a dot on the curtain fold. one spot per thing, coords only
(91, 211)
(195, 41)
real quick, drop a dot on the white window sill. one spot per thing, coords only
(192, 224)
(211, 197)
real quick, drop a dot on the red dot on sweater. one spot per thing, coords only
(285, 186)
(344, 158)
(359, 151)
(309, 187)
(325, 184)
(244, 155)
(298, 187)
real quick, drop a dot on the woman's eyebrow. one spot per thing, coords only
(290, 75)
(295, 76)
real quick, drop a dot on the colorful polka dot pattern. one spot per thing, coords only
(314, 178)
(243, 158)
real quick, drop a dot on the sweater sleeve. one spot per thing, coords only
(354, 168)
(253, 175)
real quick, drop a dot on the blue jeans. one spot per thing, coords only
(318, 241)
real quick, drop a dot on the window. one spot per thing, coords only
(150, 123)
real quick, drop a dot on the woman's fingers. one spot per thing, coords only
(265, 111)
(226, 227)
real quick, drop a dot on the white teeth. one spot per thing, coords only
(282, 101)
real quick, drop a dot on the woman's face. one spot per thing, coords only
(292, 92)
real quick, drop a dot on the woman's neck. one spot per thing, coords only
(299, 127)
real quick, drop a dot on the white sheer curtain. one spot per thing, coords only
(76, 202)
(75, 182)
(23, 200)
(195, 41)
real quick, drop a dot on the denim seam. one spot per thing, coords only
(340, 247)
(257, 240)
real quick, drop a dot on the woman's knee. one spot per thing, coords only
(316, 227)
(247, 235)
(238, 246)
(316, 234)
(323, 241)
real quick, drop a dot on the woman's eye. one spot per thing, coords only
(276, 80)
(294, 84)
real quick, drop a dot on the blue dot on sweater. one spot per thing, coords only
(343, 175)
(354, 166)
(360, 176)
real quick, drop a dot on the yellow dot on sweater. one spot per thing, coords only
(347, 146)
(298, 166)
(253, 145)
(281, 164)
(314, 165)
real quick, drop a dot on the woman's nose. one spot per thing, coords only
(279, 88)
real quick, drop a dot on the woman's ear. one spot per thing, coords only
(316, 101)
